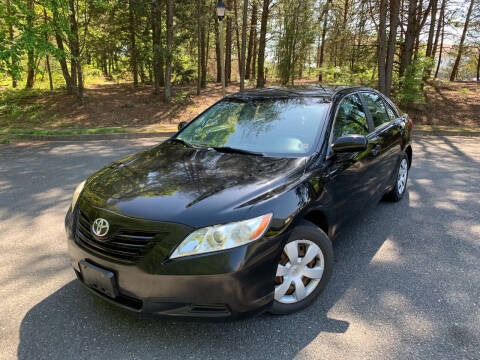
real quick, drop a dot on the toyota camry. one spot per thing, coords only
(235, 214)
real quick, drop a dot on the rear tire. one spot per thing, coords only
(304, 269)
(400, 186)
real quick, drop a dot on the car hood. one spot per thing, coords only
(197, 187)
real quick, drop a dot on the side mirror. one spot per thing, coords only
(181, 125)
(350, 143)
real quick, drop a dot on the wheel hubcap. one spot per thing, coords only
(402, 176)
(299, 271)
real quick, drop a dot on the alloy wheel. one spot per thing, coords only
(299, 271)
(402, 176)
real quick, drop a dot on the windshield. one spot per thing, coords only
(279, 126)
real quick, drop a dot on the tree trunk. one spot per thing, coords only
(228, 47)
(261, 45)
(133, 45)
(30, 54)
(11, 37)
(168, 67)
(478, 65)
(392, 39)
(237, 37)
(217, 52)
(47, 57)
(324, 33)
(453, 75)
(381, 50)
(203, 45)
(410, 35)
(254, 56)
(244, 45)
(442, 19)
(251, 40)
(158, 76)
(207, 51)
(199, 46)
(437, 35)
(344, 30)
(61, 59)
(431, 32)
(75, 50)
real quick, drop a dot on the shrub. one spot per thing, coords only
(410, 93)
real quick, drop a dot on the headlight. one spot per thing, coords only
(76, 194)
(221, 237)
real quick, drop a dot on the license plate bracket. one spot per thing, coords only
(99, 279)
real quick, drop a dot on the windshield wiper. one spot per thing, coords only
(227, 149)
(181, 141)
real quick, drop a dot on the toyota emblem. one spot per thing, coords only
(100, 227)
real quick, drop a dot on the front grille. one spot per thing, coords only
(124, 245)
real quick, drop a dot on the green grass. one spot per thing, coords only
(446, 128)
(18, 105)
(64, 131)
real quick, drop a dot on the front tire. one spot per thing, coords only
(304, 269)
(400, 186)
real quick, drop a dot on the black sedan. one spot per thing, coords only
(235, 214)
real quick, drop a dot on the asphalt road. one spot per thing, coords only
(406, 283)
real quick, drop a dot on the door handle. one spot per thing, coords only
(376, 149)
(376, 145)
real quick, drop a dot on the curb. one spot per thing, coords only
(445, 133)
(141, 135)
(89, 137)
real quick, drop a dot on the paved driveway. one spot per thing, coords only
(406, 283)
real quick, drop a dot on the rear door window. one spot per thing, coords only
(377, 109)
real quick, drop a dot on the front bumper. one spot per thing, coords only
(228, 284)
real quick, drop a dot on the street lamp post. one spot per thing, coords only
(220, 8)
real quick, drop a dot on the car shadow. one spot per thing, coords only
(73, 323)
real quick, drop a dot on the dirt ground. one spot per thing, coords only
(450, 104)
(120, 105)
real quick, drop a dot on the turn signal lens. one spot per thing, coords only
(221, 237)
(76, 194)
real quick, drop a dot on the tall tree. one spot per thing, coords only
(203, 46)
(262, 44)
(168, 65)
(478, 65)
(61, 55)
(10, 21)
(431, 32)
(324, 33)
(133, 45)
(30, 50)
(199, 46)
(392, 39)
(251, 40)
(437, 34)
(381, 46)
(217, 52)
(47, 56)
(454, 72)
(74, 43)
(244, 44)
(441, 27)
(410, 35)
(254, 55)
(228, 45)
(158, 75)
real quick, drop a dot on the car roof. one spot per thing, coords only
(282, 92)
